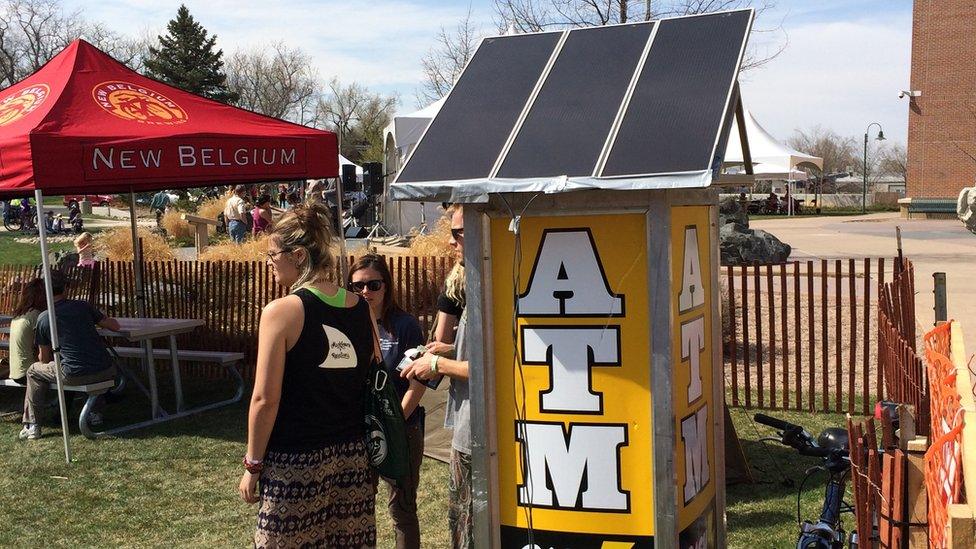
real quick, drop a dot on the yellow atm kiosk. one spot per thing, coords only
(587, 161)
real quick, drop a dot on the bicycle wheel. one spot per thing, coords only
(12, 224)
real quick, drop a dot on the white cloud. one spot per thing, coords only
(842, 75)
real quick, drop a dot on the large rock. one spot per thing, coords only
(731, 210)
(740, 245)
(966, 207)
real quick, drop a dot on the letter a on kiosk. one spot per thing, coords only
(589, 161)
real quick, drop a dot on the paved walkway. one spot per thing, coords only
(932, 245)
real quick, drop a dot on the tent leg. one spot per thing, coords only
(55, 345)
(136, 257)
(344, 260)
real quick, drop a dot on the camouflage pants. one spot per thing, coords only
(459, 504)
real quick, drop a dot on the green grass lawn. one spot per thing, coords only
(763, 514)
(21, 253)
(176, 484)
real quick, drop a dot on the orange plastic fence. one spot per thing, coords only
(943, 465)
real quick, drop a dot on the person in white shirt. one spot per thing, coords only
(234, 212)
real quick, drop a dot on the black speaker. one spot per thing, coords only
(373, 178)
(349, 183)
(356, 232)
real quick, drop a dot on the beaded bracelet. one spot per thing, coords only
(253, 467)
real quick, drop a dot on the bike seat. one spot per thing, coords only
(833, 438)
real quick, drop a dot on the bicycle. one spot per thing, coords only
(831, 445)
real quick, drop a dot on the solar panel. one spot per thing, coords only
(467, 135)
(677, 107)
(567, 126)
(620, 107)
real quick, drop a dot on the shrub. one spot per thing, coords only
(250, 250)
(211, 207)
(116, 245)
(175, 226)
(436, 242)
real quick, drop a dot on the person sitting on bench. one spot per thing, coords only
(30, 304)
(84, 358)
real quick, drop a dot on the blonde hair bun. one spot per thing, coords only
(308, 226)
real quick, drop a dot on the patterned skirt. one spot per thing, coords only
(319, 498)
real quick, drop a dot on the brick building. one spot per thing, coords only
(942, 121)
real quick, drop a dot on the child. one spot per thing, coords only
(86, 253)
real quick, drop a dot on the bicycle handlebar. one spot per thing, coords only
(776, 423)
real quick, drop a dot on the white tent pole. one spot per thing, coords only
(136, 256)
(343, 261)
(55, 345)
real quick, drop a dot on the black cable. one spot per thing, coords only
(799, 490)
(517, 369)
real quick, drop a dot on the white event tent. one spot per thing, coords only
(400, 137)
(771, 159)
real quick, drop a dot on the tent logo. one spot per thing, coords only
(19, 104)
(138, 104)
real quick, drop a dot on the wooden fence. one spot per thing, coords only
(798, 336)
(898, 358)
(885, 485)
(228, 296)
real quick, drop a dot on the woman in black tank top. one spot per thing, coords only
(306, 460)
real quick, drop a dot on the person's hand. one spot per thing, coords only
(248, 488)
(420, 368)
(439, 348)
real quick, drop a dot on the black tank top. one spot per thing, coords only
(325, 375)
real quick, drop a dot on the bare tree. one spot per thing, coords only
(276, 81)
(34, 31)
(358, 117)
(839, 154)
(893, 161)
(443, 63)
(541, 15)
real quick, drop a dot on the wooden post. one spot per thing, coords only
(200, 227)
(961, 526)
(916, 501)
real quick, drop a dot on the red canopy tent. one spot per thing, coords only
(85, 123)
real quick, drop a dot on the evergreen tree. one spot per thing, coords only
(186, 59)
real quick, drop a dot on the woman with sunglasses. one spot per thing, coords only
(399, 331)
(306, 424)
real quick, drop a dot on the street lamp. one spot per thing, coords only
(864, 168)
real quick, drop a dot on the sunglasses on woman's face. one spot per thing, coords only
(371, 285)
(457, 233)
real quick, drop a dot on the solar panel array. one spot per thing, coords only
(616, 101)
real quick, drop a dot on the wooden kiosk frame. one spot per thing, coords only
(592, 321)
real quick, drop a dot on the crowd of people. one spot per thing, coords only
(306, 462)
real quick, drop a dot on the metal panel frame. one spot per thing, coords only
(459, 190)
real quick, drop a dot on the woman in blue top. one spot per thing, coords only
(399, 331)
(306, 424)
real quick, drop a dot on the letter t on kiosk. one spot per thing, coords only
(589, 162)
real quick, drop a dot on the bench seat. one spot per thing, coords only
(91, 388)
(213, 357)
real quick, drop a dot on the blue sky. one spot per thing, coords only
(842, 69)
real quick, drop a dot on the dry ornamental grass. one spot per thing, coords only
(175, 226)
(250, 250)
(116, 245)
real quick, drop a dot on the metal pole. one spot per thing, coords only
(941, 313)
(52, 316)
(864, 174)
(343, 261)
(136, 256)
